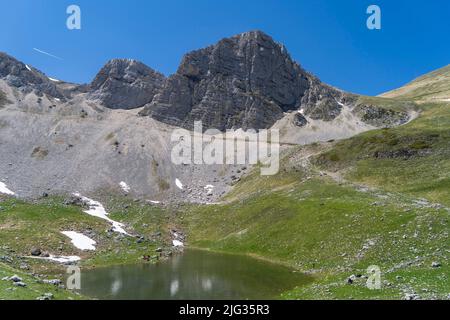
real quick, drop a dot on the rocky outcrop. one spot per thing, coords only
(379, 116)
(246, 81)
(27, 79)
(125, 84)
(299, 120)
(322, 102)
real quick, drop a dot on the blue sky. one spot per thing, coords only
(327, 37)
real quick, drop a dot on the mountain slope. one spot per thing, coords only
(88, 138)
(379, 198)
(331, 230)
(434, 86)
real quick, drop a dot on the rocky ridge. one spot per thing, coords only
(26, 78)
(246, 81)
(125, 84)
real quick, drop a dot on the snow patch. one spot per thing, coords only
(96, 209)
(177, 243)
(5, 190)
(179, 184)
(340, 103)
(59, 259)
(63, 259)
(53, 79)
(28, 68)
(126, 188)
(80, 240)
(209, 188)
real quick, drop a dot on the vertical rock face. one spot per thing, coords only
(246, 81)
(125, 84)
(25, 78)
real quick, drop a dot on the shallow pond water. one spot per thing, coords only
(195, 274)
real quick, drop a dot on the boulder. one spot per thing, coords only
(36, 252)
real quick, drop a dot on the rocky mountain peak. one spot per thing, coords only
(125, 84)
(245, 81)
(26, 78)
(254, 63)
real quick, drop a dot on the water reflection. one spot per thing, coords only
(174, 286)
(193, 275)
(116, 286)
(207, 284)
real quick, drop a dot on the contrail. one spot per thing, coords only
(48, 54)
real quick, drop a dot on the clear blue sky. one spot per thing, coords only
(327, 37)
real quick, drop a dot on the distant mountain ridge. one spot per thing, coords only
(245, 81)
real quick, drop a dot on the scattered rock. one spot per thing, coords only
(6, 259)
(435, 264)
(411, 296)
(20, 284)
(24, 266)
(299, 120)
(55, 282)
(15, 278)
(76, 201)
(45, 296)
(36, 252)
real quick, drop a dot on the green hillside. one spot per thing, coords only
(434, 86)
(334, 213)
